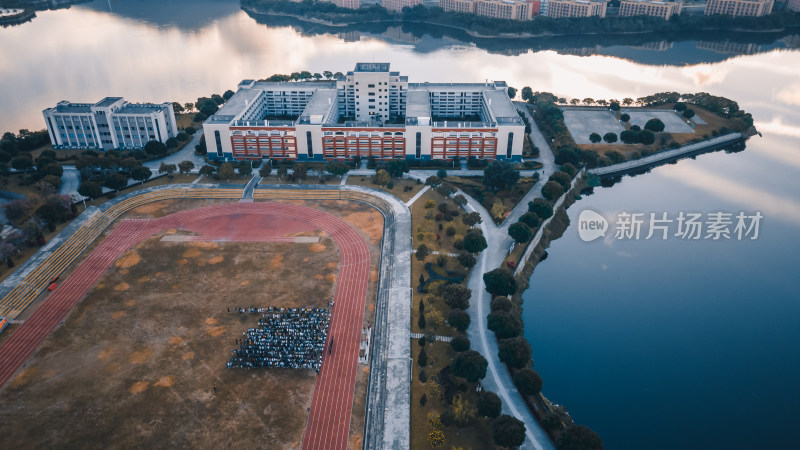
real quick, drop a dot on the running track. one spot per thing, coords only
(328, 423)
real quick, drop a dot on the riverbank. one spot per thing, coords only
(487, 28)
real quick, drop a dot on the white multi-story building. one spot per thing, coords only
(371, 111)
(111, 123)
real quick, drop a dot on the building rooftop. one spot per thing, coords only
(73, 108)
(418, 104)
(320, 108)
(108, 101)
(372, 67)
(500, 107)
(236, 105)
(140, 108)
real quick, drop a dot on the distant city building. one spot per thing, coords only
(462, 6)
(576, 8)
(756, 8)
(398, 5)
(371, 112)
(654, 8)
(499, 9)
(111, 123)
(794, 5)
(352, 4)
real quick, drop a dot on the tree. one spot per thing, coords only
(200, 148)
(396, 167)
(527, 94)
(579, 437)
(460, 200)
(155, 148)
(141, 173)
(115, 181)
(216, 98)
(207, 170)
(541, 208)
(500, 282)
(455, 296)
(614, 106)
(441, 173)
(531, 220)
(471, 219)
(185, 167)
(226, 171)
(519, 232)
(433, 181)
(500, 175)
(328, 74)
(470, 365)
(245, 170)
(588, 101)
(654, 125)
(422, 359)
(265, 170)
(422, 252)
(282, 171)
(610, 137)
(504, 324)
(208, 107)
(227, 95)
(189, 106)
(680, 107)
(489, 404)
(169, 169)
(512, 92)
(18, 210)
(688, 114)
(190, 131)
(625, 117)
(595, 138)
(459, 320)
(182, 136)
(552, 190)
(382, 178)
(508, 431)
(475, 242)
(88, 189)
(516, 352)
(528, 381)
(300, 171)
(466, 259)
(338, 168)
(501, 304)
(460, 343)
(22, 163)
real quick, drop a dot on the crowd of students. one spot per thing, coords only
(285, 337)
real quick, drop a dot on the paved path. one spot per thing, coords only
(418, 195)
(184, 154)
(498, 379)
(70, 180)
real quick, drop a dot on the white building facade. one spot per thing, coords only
(111, 123)
(370, 112)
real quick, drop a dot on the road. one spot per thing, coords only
(70, 180)
(184, 154)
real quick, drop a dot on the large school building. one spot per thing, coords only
(369, 112)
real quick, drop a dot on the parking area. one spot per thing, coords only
(581, 123)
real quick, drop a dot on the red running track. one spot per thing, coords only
(329, 419)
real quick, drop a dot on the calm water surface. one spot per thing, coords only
(653, 344)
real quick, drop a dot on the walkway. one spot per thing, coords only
(498, 379)
(70, 180)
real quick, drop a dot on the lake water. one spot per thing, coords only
(676, 344)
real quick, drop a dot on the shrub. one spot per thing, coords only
(519, 232)
(569, 169)
(475, 242)
(441, 260)
(423, 377)
(508, 431)
(450, 230)
(455, 296)
(579, 437)
(423, 400)
(654, 125)
(552, 190)
(422, 252)
(610, 137)
(470, 365)
(466, 259)
(595, 138)
(531, 220)
(562, 178)
(422, 359)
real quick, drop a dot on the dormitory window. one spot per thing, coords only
(419, 145)
(309, 144)
(510, 145)
(218, 141)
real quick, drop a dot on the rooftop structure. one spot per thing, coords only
(653, 8)
(111, 123)
(370, 112)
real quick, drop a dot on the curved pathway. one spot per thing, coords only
(329, 419)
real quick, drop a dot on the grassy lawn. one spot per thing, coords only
(183, 120)
(402, 188)
(474, 187)
(477, 435)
